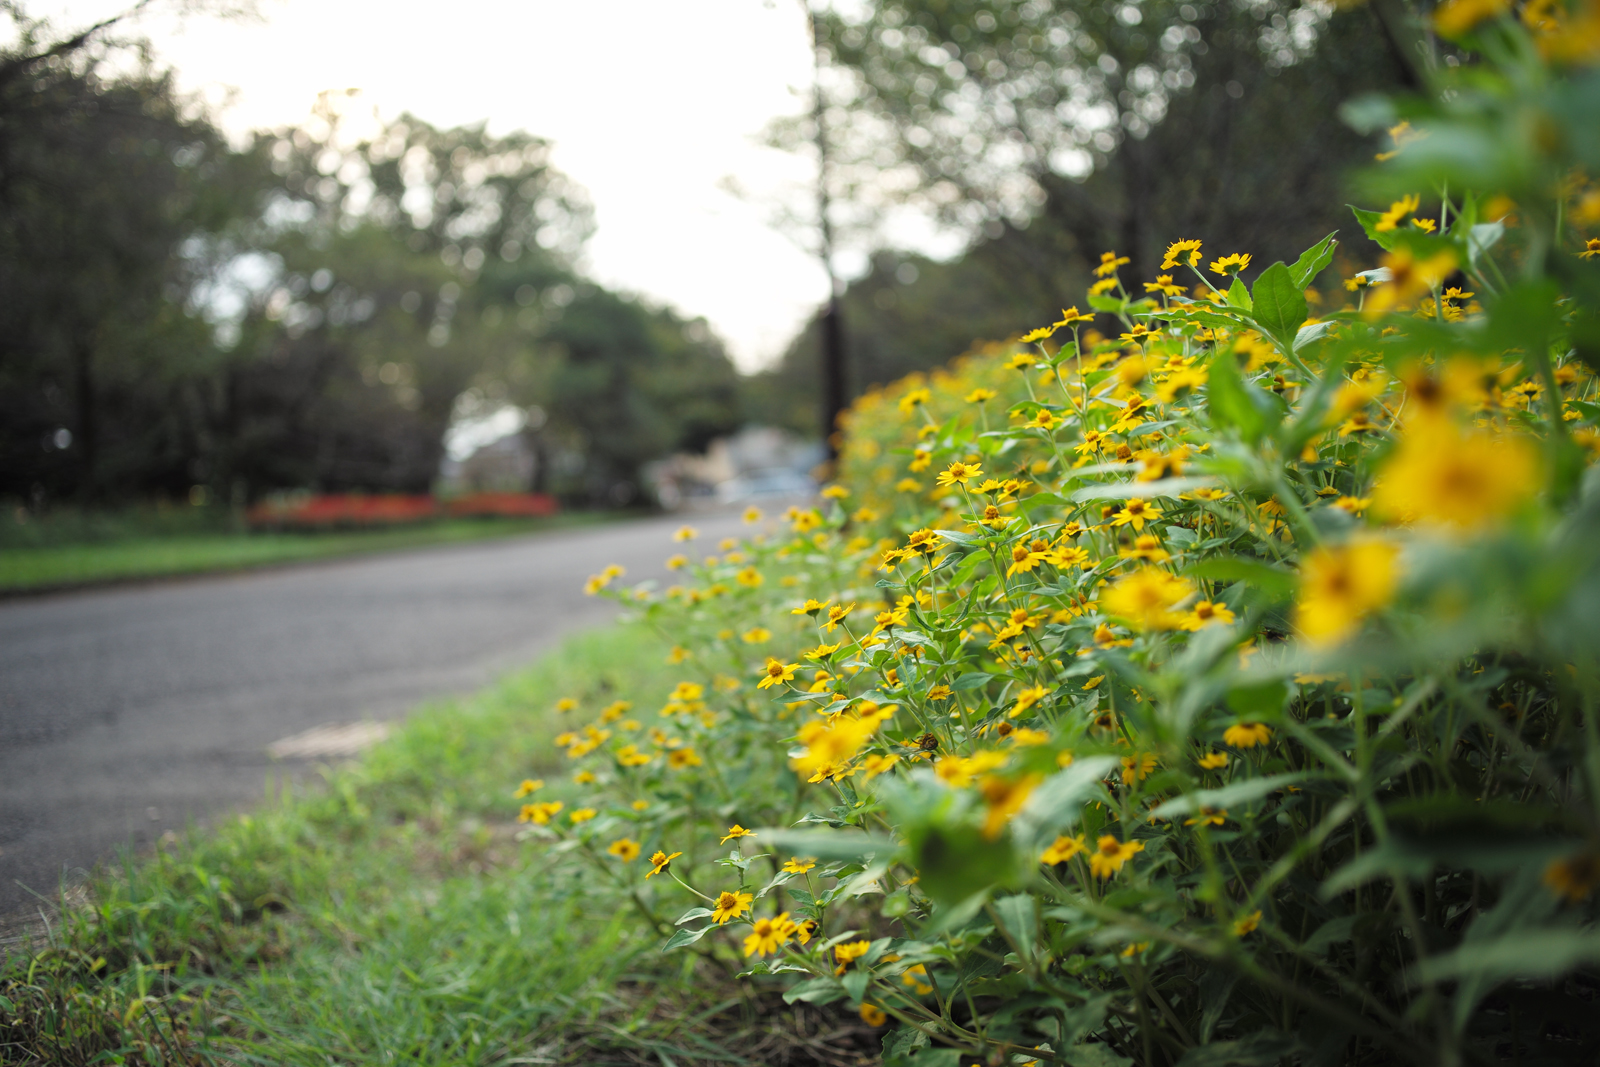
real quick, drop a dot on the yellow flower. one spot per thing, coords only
(1136, 513)
(1214, 760)
(979, 396)
(1035, 335)
(959, 473)
(1102, 287)
(625, 849)
(767, 935)
(756, 635)
(1186, 252)
(1397, 211)
(566, 704)
(1355, 505)
(1110, 855)
(677, 562)
(914, 398)
(1063, 849)
(752, 514)
(659, 862)
(829, 746)
(640, 805)
(529, 785)
(1004, 797)
(1230, 264)
(582, 815)
(1246, 735)
(1341, 585)
(584, 778)
(797, 865)
(835, 492)
(679, 758)
(1409, 278)
(685, 533)
(1163, 285)
(776, 673)
(1146, 598)
(1204, 613)
(1438, 474)
(836, 615)
(539, 813)
(1027, 698)
(1071, 316)
(850, 950)
(873, 1015)
(750, 578)
(736, 831)
(1243, 926)
(1207, 817)
(810, 607)
(916, 978)
(1137, 767)
(730, 906)
(1591, 248)
(907, 485)
(1575, 877)
(1109, 262)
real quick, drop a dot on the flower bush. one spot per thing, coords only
(1195, 680)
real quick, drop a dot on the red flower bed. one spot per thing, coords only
(346, 510)
(505, 505)
(343, 510)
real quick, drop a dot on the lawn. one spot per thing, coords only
(35, 567)
(393, 915)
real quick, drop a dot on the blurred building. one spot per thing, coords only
(758, 461)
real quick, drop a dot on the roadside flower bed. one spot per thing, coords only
(1193, 681)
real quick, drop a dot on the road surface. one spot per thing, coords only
(131, 711)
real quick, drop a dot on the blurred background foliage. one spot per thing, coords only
(313, 309)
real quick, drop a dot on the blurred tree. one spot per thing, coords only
(103, 180)
(1053, 131)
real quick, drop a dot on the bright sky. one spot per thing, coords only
(651, 104)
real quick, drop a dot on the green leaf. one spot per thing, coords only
(1385, 239)
(1113, 305)
(693, 913)
(1331, 933)
(1265, 1048)
(1313, 260)
(1263, 701)
(1142, 490)
(1279, 306)
(971, 680)
(1314, 332)
(1226, 797)
(829, 844)
(1534, 954)
(899, 1045)
(1239, 296)
(1019, 914)
(1059, 800)
(1095, 1055)
(1229, 401)
(815, 991)
(686, 937)
(1264, 576)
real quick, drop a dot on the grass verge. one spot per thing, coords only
(394, 916)
(38, 568)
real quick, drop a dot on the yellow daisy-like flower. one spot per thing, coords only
(1110, 855)
(1341, 585)
(1247, 925)
(1146, 599)
(685, 533)
(849, 951)
(1205, 613)
(959, 473)
(1207, 817)
(736, 831)
(1397, 211)
(580, 815)
(776, 673)
(756, 635)
(1574, 877)
(979, 396)
(730, 906)
(1186, 252)
(1441, 475)
(1230, 264)
(529, 785)
(796, 865)
(1063, 849)
(660, 861)
(1109, 262)
(1246, 735)
(873, 1015)
(768, 935)
(1071, 316)
(625, 849)
(540, 814)
(1212, 761)
(752, 514)
(1136, 513)
(1591, 249)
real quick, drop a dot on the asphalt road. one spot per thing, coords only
(131, 711)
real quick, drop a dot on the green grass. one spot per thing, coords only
(393, 915)
(34, 567)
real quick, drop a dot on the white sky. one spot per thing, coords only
(650, 103)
